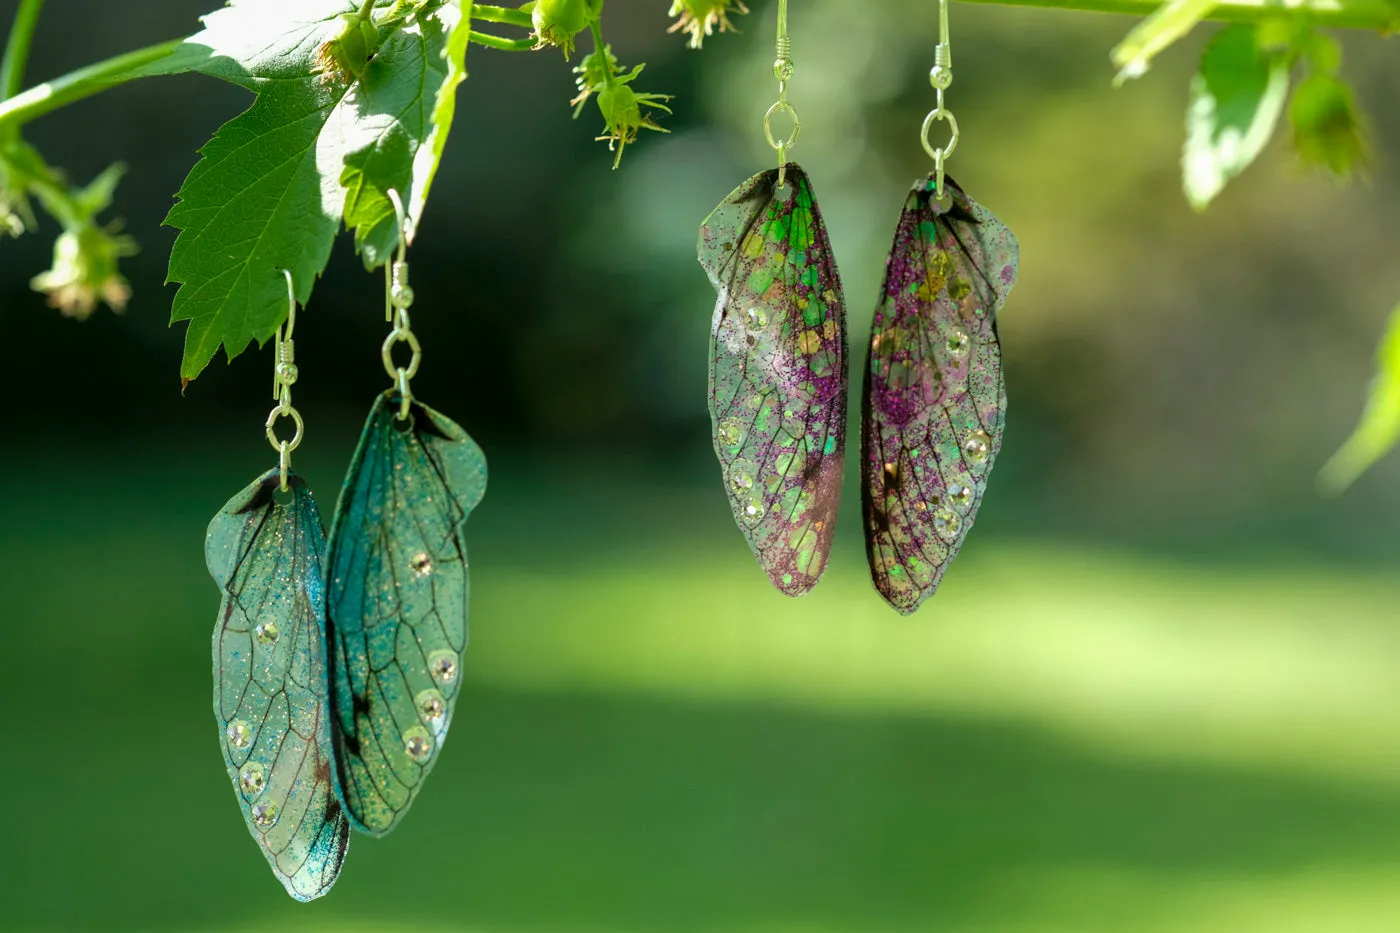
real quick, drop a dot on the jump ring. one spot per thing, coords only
(288, 412)
(933, 117)
(387, 353)
(781, 106)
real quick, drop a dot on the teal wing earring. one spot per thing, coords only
(398, 584)
(267, 557)
(778, 358)
(934, 404)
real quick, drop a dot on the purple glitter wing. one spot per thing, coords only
(934, 402)
(778, 372)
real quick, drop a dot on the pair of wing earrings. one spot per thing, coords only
(337, 663)
(934, 402)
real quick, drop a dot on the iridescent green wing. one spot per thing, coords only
(397, 605)
(778, 372)
(934, 400)
(270, 680)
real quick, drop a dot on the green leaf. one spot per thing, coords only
(1169, 22)
(1328, 130)
(1236, 100)
(1380, 422)
(271, 189)
(405, 154)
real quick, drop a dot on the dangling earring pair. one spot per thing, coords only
(934, 401)
(337, 663)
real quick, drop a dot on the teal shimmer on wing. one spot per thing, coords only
(270, 680)
(397, 605)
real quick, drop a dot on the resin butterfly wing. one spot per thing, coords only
(934, 401)
(397, 605)
(270, 680)
(778, 372)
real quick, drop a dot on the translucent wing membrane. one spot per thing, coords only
(270, 680)
(778, 372)
(397, 606)
(934, 401)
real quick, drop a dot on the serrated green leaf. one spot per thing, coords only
(1379, 428)
(1165, 25)
(1236, 100)
(413, 127)
(268, 194)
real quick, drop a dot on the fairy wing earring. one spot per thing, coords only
(778, 358)
(934, 403)
(267, 556)
(398, 585)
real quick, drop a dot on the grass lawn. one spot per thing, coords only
(1064, 741)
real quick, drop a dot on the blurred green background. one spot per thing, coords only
(1159, 692)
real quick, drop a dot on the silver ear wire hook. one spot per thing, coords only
(782, 70)
(941, 77)
(398, 296)
(284, 374)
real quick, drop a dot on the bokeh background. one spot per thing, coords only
(1158, 692)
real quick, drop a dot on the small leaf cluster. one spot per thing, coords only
(87, 253)
(622, 107)
(352, 100)
(1237, 98)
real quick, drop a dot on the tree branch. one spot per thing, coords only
(499, 14)
(1379, 15)
(17, 47)
(85, 82)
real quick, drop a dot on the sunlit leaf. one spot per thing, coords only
(1236, 100)
(404, 155)
(1169, 22)
(271, 188)
(1380, 422)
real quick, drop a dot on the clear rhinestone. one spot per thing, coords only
(443, 666)
(417, 744)
(240, 734)
(264, 814)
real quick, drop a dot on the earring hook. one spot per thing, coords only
(941, 77)
(284, 374)
(398, 296)
(782, 70)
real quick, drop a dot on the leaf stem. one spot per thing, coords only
(1352, 14)
(500, 42)
(595, 26)
(17, 47)
(500, 14)
(77, 85)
